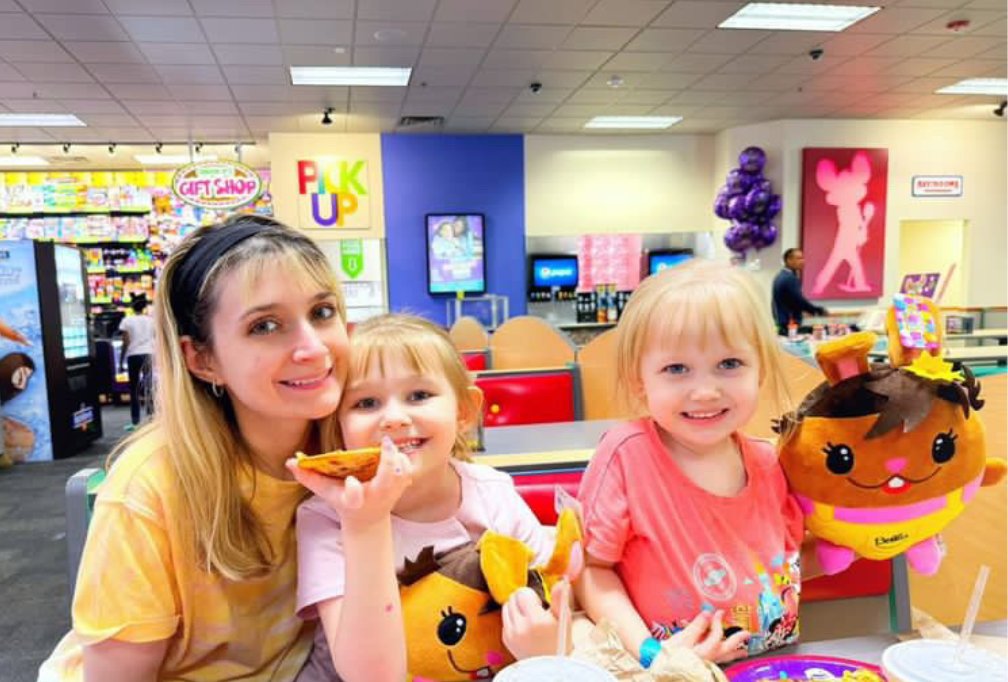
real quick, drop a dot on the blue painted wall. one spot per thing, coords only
(447, 174)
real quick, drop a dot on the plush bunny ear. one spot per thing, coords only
(913, 326)
(567, 560)
(845, 357)
(505, 564)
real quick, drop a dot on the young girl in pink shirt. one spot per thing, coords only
(407, 388)
(691, 535)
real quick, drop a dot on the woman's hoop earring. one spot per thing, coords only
(218, 391)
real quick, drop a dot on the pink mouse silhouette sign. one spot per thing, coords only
(843, 222)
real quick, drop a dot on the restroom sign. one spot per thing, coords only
(937, 186)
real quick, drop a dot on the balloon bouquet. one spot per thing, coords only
(747, 200)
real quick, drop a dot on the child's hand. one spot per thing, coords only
(362, 504)
(705, 637)
(529, 629)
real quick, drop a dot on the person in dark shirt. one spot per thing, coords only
(789, 303)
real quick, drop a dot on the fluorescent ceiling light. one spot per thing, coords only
(172, 159)
(40, 120)
(648, 122)
(977, 86)
(18, 160)
(779, 16)
(349, 75)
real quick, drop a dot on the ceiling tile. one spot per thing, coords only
(134, 91)
(443, 56)
(20, 27)
(667, 81)
(696, 14)
(624, 12)
(93, 106)
(163, 29)
(562, 79)
(62, 6)
(478, 107)
(388, 33)
(726, 41)
(245, 74)
(233, 8)
(967, 46)
(637, 61)
(315, 31)
(36, 106)
(571, 60)
(190, 74)
(55, 73)
(263, 109)
(696, 63)
(396, 10)
(909, 46)
(651, 97)
(805, 65)
(515, 59)
(753, 63)
(598, 38)
(445, 75)
(180, 53)
(972, 68)
(69, 90)
(374, 95)
(488, 78)
(109, 120)
(304, 55)
(314, 9)
(202, 92)
(512, 124)
(553, 12)
(919, 66)
(105, 52)
(994, 28)
(32, 51)
(788, 43)
(923, 85)
(261, 55)
(461, 35)
(722, 81)
(164, 8)
(865, 66)
(124, 73)
(474, 10)
(976, 17)
(493, 95)
(579, 110)
(664, 39)
(524, 36)
(240, 30)
(527, 109)
(852, 44)
(433, 94)
(551, 94)
(386, 56)
(599, 95)
(9, 74)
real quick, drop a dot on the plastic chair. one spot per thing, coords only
(81, 491)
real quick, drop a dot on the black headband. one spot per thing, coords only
(192, 271)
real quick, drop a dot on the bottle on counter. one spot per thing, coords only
(792, 330)
(611, 312)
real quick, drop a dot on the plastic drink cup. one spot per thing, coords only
(553, 669)
(932, 660)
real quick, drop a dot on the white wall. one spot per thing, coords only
(973, 149)
(614, 184)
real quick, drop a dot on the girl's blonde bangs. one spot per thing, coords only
(702, 313)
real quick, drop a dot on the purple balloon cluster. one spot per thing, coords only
(747, 201)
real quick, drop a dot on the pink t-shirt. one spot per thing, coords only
(489, 502)
(679, 549)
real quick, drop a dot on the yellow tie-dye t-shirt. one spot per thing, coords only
(134, 587)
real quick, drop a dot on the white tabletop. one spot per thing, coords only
(509, 440)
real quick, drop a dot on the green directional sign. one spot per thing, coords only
(352, 257)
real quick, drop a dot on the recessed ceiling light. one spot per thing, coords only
(350, 75)
(20, 161)
(644, 122)
(172, 159)
(779, 16)
(976, 86)
(40, 120)
(389, 35)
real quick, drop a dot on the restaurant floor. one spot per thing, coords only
(34, 605)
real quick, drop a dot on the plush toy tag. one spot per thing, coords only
(915, 322)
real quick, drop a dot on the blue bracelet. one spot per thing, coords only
(649, 649)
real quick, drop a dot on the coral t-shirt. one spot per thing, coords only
(680, 549)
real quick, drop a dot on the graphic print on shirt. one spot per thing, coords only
(714, 577)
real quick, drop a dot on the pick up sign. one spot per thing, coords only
(217, 185)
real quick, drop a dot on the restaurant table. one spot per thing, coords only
(536, 447)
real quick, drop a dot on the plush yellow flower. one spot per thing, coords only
(933, 367)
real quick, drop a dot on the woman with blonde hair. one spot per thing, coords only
(190, 566)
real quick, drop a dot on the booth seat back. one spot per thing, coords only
(476, 360)
(534, 396)
(538, 489)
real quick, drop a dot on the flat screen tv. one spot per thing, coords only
(456, 255)
(548, 270)
(660, 259)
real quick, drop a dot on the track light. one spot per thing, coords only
(198, 147)
(15, 147)
(1000, 110)
(111, 149)
(158, 147)
(66, 147)
(326, 120)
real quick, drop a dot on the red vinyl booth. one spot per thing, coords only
(534, 396)
(476, 360)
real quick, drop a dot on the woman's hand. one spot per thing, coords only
(529, 629)
(705, 637)
(362, 504)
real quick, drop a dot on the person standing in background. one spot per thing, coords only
(789, 303)
(137, 351)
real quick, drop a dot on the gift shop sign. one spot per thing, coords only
(333, 193)
(937, 186)
(217, 185)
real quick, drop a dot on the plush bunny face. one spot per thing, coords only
(838, 457)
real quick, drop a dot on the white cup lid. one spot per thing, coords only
(553, 669)
(930, 660)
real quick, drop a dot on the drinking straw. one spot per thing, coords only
(971, 611)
